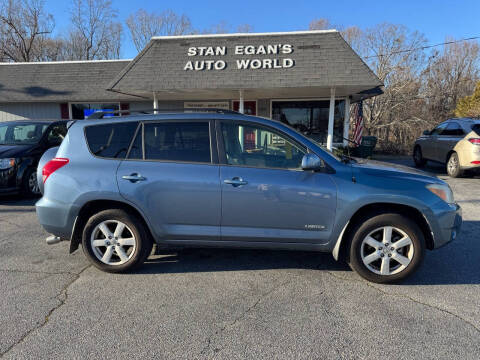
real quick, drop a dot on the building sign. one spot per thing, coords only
(224, 105)
(246, 57)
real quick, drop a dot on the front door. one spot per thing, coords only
(172, 177)
(266, 197)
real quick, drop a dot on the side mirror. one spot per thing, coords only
(427, 132)
(311, 162)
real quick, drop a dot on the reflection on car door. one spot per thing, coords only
(173, 177)
(265, 195)
(447, 140)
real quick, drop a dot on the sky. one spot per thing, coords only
(436, 19)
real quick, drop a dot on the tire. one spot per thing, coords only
(29, 183)
(418, 158)
(372, 258)
(122, 252)
(453, 166)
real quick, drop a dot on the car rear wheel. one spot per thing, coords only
(116, 241)
(418, 157)
(453, 166)
(386, 248)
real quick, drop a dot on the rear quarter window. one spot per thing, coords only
(110, 140)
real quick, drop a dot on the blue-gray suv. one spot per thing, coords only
(119, 185)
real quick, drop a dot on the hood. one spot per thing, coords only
(11, 151)
(380, 168)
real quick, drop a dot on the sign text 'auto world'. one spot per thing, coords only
(246, 57)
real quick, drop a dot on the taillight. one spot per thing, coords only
(52, 166)
(474, 141)
(475, 162)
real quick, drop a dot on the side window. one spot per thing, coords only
(110, 140)
(453, 129)
(56, 134)
(178, 141)
(439, 129)
(259, 147)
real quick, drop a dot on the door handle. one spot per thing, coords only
(134, 177)
(236, 181)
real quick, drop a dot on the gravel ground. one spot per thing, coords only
(232, 304)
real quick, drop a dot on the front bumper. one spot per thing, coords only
(445, 224)
(8, 181)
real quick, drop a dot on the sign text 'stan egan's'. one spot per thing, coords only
(242, 63)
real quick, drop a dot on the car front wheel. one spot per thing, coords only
(386, 248)
(116, 241)
(418, 157)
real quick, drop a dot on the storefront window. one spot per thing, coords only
(83, 110)
(311, 117)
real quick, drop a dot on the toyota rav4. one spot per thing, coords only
(118, 185)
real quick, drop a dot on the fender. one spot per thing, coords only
(343, 219)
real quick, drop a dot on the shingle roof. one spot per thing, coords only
(60, 81)
(321, 59)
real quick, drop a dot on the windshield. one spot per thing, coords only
(324, 148)
(21, 134)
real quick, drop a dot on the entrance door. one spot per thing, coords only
(266, 197)
(249, 107)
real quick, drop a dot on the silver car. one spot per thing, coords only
(455, 142)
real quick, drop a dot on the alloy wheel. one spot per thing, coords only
(33, 184)
(387, 250)
(113, 242)
(453, 164)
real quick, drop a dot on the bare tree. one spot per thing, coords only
(321, 24)
(24, 27)
(144, 25)
(94, 33)
(450, 75)
(244, 28)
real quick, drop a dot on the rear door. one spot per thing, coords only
(447, 140)
(172, 174)
(266, 196)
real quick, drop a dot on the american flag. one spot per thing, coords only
(358, 121)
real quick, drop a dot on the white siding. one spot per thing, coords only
(19, 111)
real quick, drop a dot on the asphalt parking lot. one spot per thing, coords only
(232, 304)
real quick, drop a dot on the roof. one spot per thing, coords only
(321, 59)
(35, 121)
(60, 81)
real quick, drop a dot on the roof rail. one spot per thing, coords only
(101, 114)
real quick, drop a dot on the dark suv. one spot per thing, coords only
(22, 143)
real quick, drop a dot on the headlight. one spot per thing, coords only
(443, 191)
(6, 163)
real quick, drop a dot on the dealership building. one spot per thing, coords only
(307, 79)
